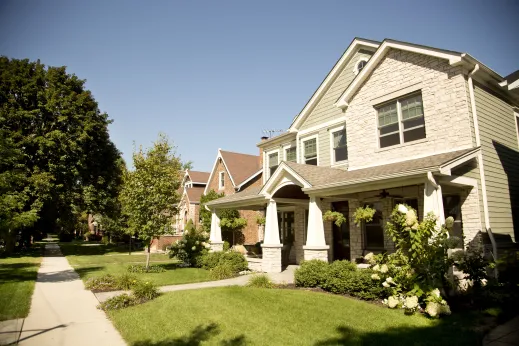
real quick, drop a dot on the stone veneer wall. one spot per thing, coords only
(355, 231)
(470, 214)
(299, 233)
(271, 261)
(316, 254)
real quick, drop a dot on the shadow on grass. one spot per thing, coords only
(18, 272)
(195, 338)
(93, 249)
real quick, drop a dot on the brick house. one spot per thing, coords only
(392, 122)
(234, 173)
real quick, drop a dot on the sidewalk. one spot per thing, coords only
(285, 277)
(504, 335)
(62, 311)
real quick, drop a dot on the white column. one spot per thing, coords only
(215, 237)
(315, 247)
(433, 199)
(271, 224)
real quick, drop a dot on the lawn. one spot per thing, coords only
(90, 260)
(252, 316)
(17, 278)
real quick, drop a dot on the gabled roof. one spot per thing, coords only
(240, 167)
(194, 194)
(198, 177)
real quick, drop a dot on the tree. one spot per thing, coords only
(62, 141)
(149, 192)
(205, 215)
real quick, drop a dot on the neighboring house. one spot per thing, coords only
(191, 189)
(392, 122)
(233, 173)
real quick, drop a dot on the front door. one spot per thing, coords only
(286, 236)
(341, 235)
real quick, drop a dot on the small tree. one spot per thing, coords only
(150, 191)
(205, 215)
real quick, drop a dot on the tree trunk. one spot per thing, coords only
(130, 251)
(148, 257)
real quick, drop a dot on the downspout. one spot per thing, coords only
(480, 164)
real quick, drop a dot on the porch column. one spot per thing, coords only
(215, 237)
(315, 247)
(271, 262)
(433, 199)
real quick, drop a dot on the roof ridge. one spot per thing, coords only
(234, 152)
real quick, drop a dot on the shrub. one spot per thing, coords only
(337, 267)
(140, 268)
(194, 243)
(210, 260)
(105, 240)
(65, 237)
(473, 265)
(226, 246)
(357, 283)
(234, 259)
(144, 291)
(106, 282)
(127, 281)
(222, 271)
(260, 281)
(311, 273)
(117, 302)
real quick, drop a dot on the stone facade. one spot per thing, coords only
(470, 214)
(271, 261)
(355, 231)
(215, 247)
(320, 254)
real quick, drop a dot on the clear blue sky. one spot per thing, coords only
(214, 74)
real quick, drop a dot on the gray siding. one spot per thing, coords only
(500, 150)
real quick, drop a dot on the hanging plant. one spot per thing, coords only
(334, 216)
(260, 220)
(363, 214)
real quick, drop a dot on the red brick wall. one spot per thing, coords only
(162, 242)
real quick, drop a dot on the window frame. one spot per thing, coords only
(306, 139)
(269, 153)
(400, 121)
(516, 118)
(221, 182)
(285, 148)
(356, 70)
(332, 149)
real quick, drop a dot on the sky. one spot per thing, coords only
(216, 74)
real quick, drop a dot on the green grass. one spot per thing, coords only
(255, 316)
(90, 261)
(17, 278)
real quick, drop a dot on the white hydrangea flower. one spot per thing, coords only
(376, 268)
(193, 248)
(389, 280)
(402, 209)
(375, 277)
(411, 302)
(410, 218)
(436, 292)
(384, 268)
(197, 242)
(392, 302)
(433, 309)
(449, 222)
(385, 284)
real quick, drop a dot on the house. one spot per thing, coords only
(235, 173)
(191, 189)
(392, 122)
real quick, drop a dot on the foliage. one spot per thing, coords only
(260, 219)
(311, 273)
(150, 191)
(126, 281)
(144, 291)
(508, 267)
(226, 246)
(334, 216)
(105, 282)
(363, 214)
(118, 302)
(193, 245)
(59, 157)
(105, 240)
(205, 215)
(139, 268)
(260, 281)
(357, 283)
(222, 271)
(472, 263)
(234, 259)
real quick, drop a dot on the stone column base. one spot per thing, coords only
(216, 246)
(316, 252)
(271, 261)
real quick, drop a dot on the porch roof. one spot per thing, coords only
(247, 196)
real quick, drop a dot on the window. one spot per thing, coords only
(310, 151)
(291, 154)
(401, 121)
(340, 152)
(221, 181)
(361, 65)
(273, 163)
(374, 230)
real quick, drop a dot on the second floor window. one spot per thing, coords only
(291, 154)
(310, 151)
(221, 180)
(340, 151)
(401, 121)
(273, 163)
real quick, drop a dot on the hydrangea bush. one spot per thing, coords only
(416, 274)
(193, 245)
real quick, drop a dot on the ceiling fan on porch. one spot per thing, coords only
(385, 194)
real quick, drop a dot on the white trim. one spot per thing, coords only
(237, 188)
(220, 175)
(332, 152)
(219, 156)
(355, 67)
(268, 153)
(330, 78)
(288, 146)
(516, 119)
(456, 180)
(302, 146)
(322, 126)
(382, 50)
(448, 166)
(283, 167)
(396, 94)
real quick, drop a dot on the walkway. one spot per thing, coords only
(285, 277)
(62, 311)
(504, 335)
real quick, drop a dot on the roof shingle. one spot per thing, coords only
(240, 166)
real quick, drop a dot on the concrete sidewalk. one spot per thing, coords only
(62, 311)
(285, 277)
(504, 335)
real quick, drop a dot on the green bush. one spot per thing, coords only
(338, 267)
(117, 302)
(127, 281)
(226, 246)
(222, 271)
(106, 282)
(144, 291)
(105, 240)
(210, 260)
(311, 273)
(141, 268)
(234, 259)
(260, 281)
(193, 245)
(357, 283)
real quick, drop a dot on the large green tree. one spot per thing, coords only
(62, 139)
(149, 195)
